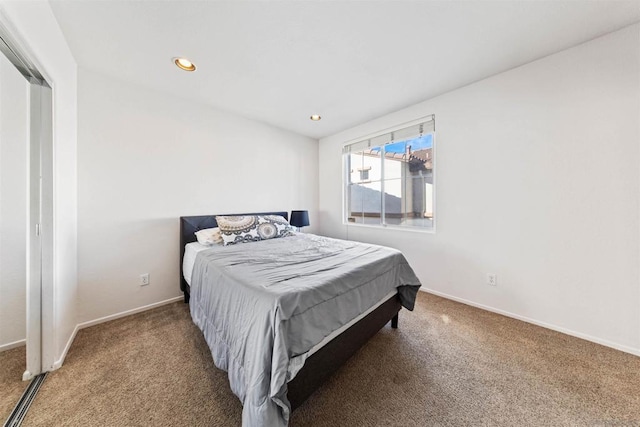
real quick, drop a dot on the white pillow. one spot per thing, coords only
(209, 236)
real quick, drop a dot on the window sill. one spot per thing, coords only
(392, 227)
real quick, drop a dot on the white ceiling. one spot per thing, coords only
(350, 61)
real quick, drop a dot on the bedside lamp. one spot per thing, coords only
(299, 219)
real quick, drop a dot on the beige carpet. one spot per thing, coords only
(12, 365)
(447, 365)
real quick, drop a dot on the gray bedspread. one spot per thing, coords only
(260, 304)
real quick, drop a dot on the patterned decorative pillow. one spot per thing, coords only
(252, 228)
(209, 236)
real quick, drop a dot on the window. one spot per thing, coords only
(364, 173)
(389, 178)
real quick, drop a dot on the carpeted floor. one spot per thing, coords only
(448, 365)
(12, 366)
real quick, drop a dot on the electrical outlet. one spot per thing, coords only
(492, 279)
(144, 279)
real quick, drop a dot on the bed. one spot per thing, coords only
(308, 367)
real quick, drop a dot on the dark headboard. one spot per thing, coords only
(190, 224)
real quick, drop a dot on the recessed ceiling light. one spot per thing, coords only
(184, 64)
(315, 117)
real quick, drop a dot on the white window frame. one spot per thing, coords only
(345, 179)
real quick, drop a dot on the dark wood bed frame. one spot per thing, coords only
(322, 364)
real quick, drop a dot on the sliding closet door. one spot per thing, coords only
(34, 285)
(26, 207)
(41, 229)
(14, 194)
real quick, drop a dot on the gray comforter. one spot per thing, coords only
(261, 304)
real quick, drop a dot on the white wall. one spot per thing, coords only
(35, 27)
(537, 180)
(144, 160)
(14, 153)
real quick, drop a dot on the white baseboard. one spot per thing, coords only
(9, 346)
(606, 343)
(128, 312)
(115, 316)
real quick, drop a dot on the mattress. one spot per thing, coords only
(189, 259)
(190, 252)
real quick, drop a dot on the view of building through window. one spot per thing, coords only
(392, 183)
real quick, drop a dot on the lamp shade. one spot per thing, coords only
(299, 218)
